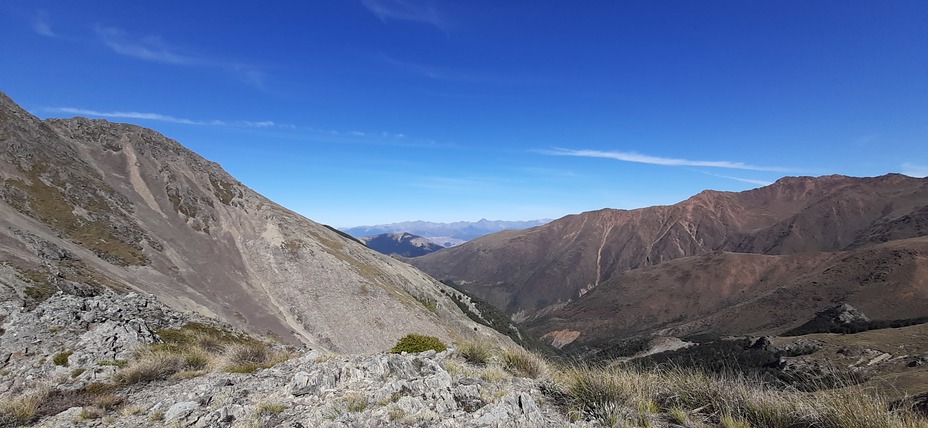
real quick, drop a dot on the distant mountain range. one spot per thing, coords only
(761, 261)
(400, 243)
(445, 234)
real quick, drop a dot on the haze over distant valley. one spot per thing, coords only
(444, 234)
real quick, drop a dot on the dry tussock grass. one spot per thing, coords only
(524, 363)
(196, 349)
(475, 352)
(22, 409)
(614, 395)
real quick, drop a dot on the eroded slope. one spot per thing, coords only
(88, 204)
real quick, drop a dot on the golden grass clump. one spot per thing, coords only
(686, 396)
(195, 349)
(150, 364)
(523, 363)
(269, 408)
(475, 352)
(356, 403)
(21, 409)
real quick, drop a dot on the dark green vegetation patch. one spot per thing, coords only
(496, 319)
(418, 343)
(743, 357)
(825, 325)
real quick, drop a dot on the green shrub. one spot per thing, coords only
(61, 358)
(418, 343)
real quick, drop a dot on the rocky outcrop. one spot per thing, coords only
(69, 347)
(70, 335)
(354, 391)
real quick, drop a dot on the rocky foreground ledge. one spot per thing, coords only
(102, 361)
(127, 361)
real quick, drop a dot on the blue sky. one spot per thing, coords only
(359, 112)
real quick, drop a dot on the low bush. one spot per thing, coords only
(61, 358)
(418, 343)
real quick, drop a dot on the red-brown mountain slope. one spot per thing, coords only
(753, 242)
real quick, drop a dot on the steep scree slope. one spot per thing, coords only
(89, 204)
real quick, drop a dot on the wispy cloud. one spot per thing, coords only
(377, 138)
(915, 170)
(407, 10)
(150, 48)
(166, 118)
(41, 26)
(154, 49)
(657, 160)
(380, 134)
(303, 133)
(747, 180)
(439, 73)
(741, 179)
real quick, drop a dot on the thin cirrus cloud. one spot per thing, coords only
(406, 10)
(443, 73)
(149, 48)
(166, 118)
(741, 179)
(154, 49)
(657, 160)
(41, 25)
(385, 138)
